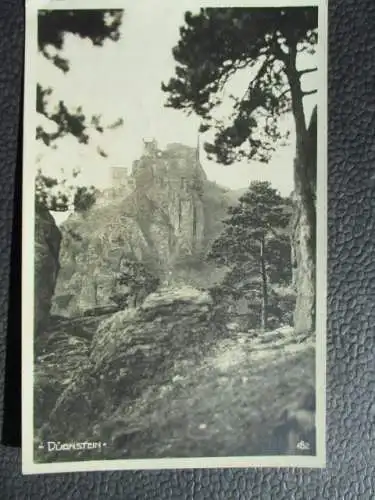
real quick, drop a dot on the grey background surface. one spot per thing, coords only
(351, 380)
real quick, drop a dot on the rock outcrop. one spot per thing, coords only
(168, 380)
(47, 247)
(137, 347)
(131, 352)
(166, 215)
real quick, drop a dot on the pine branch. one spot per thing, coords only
(257, 78)
(232, 70)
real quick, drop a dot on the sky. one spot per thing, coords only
(123, 80)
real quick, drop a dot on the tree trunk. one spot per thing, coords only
(304, 219)
(95, 284)
(194, 225)
(179, 213)
(264, 319)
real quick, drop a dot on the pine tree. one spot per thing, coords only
(215, 45)
(255, 245)
(133, 283)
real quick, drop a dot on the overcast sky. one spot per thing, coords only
(123, 80)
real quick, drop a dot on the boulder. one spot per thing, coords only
(167, 379)
(136, 347)
(131, 352)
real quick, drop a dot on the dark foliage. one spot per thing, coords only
(53, 26)
(95, 25)
(56, 196)
(66, 122)
(255, 246)
(84, 198)
(217, 43)
(133, 283)
(49, 194)
(98, 26)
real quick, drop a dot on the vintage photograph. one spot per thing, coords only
(174, 236)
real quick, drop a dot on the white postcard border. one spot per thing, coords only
(28, 218)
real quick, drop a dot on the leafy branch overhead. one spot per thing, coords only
(57, 196)
(215, 45)
(53, 26)
(94, 25)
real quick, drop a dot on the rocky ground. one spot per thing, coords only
(165, 381)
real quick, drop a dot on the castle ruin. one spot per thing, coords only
(119, 176)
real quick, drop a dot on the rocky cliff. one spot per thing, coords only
(47, 247)
(165, 215)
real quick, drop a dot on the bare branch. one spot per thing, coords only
(309, 92)
(308, 70)
(255, 81)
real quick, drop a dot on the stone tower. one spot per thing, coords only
(150, 147)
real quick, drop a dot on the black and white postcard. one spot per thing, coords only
(174, 235)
